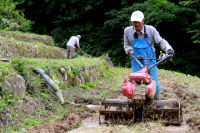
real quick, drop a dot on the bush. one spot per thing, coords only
(12, 19)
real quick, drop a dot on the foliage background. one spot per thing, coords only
(11, 18)
(101, 24)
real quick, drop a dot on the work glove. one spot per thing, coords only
(130, 52)
(140, 57)
(170, 52)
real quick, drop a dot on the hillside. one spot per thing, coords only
(28, 103)
(17, 44)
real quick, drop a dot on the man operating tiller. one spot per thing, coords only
(139, 40)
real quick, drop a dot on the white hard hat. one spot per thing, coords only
(137, 16)
(78, 36)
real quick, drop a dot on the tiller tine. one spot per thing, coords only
(116, 111)
(168, 110)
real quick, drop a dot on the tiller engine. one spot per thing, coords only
(140, 105)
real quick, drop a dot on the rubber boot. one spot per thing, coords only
(157, 96)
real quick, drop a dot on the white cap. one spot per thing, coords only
(78, 36)
(137, 16)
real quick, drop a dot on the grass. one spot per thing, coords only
(6, 70)
(104, 93)
(27, 37)
(12, 48)
(116, 80)
(25, 121)
(58, 63)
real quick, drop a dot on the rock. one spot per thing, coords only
(4, 60)
(66, 77)
(82, 77)
(108, 60)
(77, 80)
(15, 85)
(62, 70)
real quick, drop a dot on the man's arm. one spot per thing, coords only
(79, 48)
(164, 45)
(127, 46)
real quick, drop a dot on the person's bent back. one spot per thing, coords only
(73, 41)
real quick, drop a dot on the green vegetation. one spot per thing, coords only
(12, 19)
(18, 44)
(16, 123)
(20, 121)
(6, 70)
(27, 66)
(89, 85)
(26, 37)
(20, 63)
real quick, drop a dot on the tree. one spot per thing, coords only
(12, 19)
(194, 29)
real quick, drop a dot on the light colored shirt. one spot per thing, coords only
(153, 38)
(72, 41)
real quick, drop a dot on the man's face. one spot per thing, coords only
(138, 25)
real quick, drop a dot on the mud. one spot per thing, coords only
(91, 124)
(189, 100)
(70, 121)
(81, 100)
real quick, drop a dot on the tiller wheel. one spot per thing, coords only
(169, 111)
(116, 111)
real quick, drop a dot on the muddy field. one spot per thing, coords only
(82, 118)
